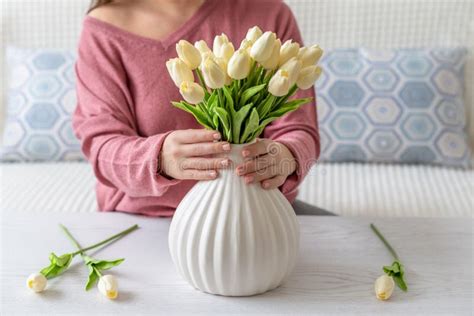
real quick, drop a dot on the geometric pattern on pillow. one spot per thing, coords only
(402, 106)
(41, 100)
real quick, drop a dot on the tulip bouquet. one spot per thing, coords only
(242, 91)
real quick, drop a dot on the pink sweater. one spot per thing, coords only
(124, 114)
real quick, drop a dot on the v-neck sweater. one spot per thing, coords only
(124, 110)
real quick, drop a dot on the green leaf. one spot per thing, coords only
(265, 107)
(50, 271)
(297, 102)
(89, 260)
(228, 96)
(203, 109)
(61, 261)
(400, 283)
(251, 78)
(262, 126)
(212, 101)
(252, 125)
(261, 75)
(95, 266)
(237, 120)
(225, 120)
(282, 100)
(288, 107)
(397, 271)
(250, 92)
(282, 111)
(215, 120)
(106, 265)
(198, 114)
(220, 99)
(269, 76)
(93, 277)
(57, 265)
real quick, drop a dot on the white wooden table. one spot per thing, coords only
(338, 263)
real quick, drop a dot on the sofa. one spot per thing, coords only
(345, 188)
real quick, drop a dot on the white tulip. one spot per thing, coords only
(189, 54)
(213, 74)
(191, 92)
(308, 76)
(262, 49)
(206, 55)
(239, 65)
(223, 64)
(288, 51)
(219, 41)
(225, 51)
(108, 286)
(293, 67)
(202, 47)
(384, 287)
(36, 282)
(179, 71)
(279, 85)
(246, 45)
(254, 34)
(272, 62)
(310, 56)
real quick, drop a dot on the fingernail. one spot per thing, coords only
(226, 146)
(240, 171)
(224, 163)
(245, 153)
(217, 136)
(248, 179)
(212, 174)
(266, 185)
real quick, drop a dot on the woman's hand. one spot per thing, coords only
(183, 154)
(268, 162)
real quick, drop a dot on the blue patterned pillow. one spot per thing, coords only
(401, 105)
(41, 99)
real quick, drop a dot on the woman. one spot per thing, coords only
(145, 153)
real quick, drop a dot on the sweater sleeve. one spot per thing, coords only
(297, 130)
(105, 125)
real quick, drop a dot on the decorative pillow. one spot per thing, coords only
(402, 105)
(41, 99)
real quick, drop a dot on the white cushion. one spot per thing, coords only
(345, 189)
(390, 190)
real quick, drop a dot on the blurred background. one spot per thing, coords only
(395, 107)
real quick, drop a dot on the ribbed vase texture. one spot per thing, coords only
(234, 239)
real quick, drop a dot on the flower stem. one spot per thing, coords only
(98, 272)
(103, 242)
(377, 232)
(72, 239)
(201, 80)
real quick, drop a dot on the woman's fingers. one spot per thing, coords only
(192, 136)
(194, 174)
(253, 165)
(205, 163)
(273, 183)
(256, 149)
(204, 149)
(260, 175)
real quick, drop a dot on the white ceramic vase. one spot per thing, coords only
(234, 239)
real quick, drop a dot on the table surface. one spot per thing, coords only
(338, 262)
